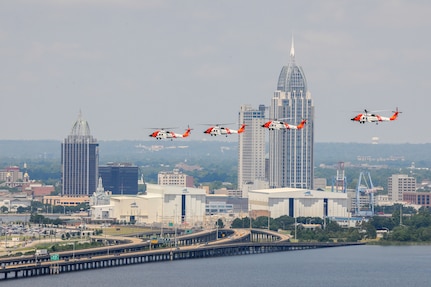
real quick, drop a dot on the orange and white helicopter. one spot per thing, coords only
(218, 130)
(280, 125)
(368, 117)
(165, 134)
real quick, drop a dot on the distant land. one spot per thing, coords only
(131, 151)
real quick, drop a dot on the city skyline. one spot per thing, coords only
(133, 65)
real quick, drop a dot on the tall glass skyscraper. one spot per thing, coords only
(291, 151)
(79, 161)
(251, 146)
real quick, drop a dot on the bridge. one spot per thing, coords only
(189, 246)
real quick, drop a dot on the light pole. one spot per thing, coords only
(106, 241)
(5, 239)
(73, 253)
(401, 214)
(216, 229)
(175, 223)
(269, 218)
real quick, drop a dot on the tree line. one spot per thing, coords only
(403, 225)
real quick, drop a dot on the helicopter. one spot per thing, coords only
(166, 134)
(218, 130)
(371, 117)
(281, 125)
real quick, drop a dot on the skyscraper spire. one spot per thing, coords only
(292, 53)
(81, 127)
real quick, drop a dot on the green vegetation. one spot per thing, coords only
(408, 227)
(40, 219)
(57, 247)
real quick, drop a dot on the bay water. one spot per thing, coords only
(365, 265)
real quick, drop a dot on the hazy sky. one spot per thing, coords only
(130, 65)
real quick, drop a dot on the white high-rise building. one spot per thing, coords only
(291, 151)
(251, 146)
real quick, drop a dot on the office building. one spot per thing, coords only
(120, 178)
(291, 151)
(175, 177)
(421, 198)
(398, 184)
(251, 146)
(79, 161)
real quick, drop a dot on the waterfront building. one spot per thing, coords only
(79, 161)
(291, 151)
(120, 178)
(296, 202)
(163, 204)
(398, 184)
(251, 146)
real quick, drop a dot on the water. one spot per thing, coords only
(340, 266)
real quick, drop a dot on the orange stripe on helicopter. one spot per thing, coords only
(301, 125)
(241, 129)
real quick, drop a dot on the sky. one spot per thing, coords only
(132, 65)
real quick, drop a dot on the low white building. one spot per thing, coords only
(161, 204)
(295, 202)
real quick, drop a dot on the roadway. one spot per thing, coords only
(131, 245)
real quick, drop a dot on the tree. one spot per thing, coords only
(400, 233)
(382, 222)
(4, 209)
(283, 222)
(333, 226)
(21, 209)
(353, 235)
(241, 222)
(424, 234)
(369, 229)
(261, 222)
